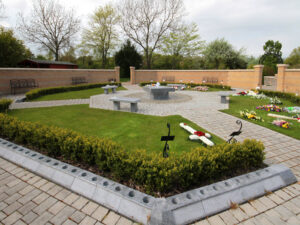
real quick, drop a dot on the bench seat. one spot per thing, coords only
(133, 102)
(107, 87)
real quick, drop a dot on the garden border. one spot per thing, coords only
(182, 208)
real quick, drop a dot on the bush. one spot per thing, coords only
(288, 96)
(225, 87)
(4, 104)
(35, 93)
(152, 171)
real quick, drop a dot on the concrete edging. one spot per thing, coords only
(182, 208)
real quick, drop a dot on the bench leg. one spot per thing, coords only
(113, 90)
(133, 107)
(106, 91)
(223, 100)
(116, 105)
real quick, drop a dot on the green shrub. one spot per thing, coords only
(225, 87)
(285, 95)
(4, 104)
(152, 171)
(35, 93)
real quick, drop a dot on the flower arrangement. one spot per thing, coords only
(260, 96)
(275, 100)
(281, 123)
(273, 108)
(250, 115)
(201, 88)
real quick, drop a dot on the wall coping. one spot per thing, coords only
(292, 70)
(250, 70)
(46, 69)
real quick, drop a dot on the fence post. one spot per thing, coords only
(132, 75)
(281, 77)
(258, 73)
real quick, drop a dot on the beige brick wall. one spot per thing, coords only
(236, 78)
(53, 77)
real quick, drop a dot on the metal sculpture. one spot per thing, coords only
(235, 133)
(166, 139)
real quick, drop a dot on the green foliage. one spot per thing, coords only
(271, 57)
(152, 171)
(12, 50)
(220, 54)
(285, 95)
(219, 86)
(101, 36)
(294, 58)
(4, 104)
(126, 57)
(35, 93)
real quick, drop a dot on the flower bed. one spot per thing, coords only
(191, 85)
(152, 172)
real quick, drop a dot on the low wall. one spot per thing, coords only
(53, 77)
(288, 80)
(247, 79)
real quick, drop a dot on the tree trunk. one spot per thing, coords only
(56, 55)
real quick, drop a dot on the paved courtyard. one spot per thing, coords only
(26, 198)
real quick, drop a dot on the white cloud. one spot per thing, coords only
(244, 23)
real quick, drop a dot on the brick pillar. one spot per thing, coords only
(132, 75)
(117, 69)
(281, 76)
(258, 73)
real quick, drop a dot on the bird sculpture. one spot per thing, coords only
(235, 133)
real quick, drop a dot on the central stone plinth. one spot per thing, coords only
(159, 92)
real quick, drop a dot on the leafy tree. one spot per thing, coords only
(146, 21)
(126, 57)
(219, 54)
(69, 55)
(271, 57)
(184, 41)
(294, 58)
(101, 36)
(50, 25)
(40, 57)
(12, 50)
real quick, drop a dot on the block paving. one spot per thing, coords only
(26, 198)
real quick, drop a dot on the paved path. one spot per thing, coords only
(280, 207)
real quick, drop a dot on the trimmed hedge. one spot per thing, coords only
(35, 93)
(151, 170)
(225, 87)
(4, 104)
(288, 96)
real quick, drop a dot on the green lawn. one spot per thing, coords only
(133, 131)
(238, 103)
(124, 79)
(74, 94)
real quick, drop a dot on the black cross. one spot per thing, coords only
(166, 139)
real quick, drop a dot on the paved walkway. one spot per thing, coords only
(19, 187)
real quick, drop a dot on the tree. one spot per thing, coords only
(146, 21)
(50, 25)
(294, 58)
(102, 35)
(219, 54)
(126, 57)
(69, 55)
(271, 57)
(12, 50)
(183, 41)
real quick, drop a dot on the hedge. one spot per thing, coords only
(225, 87)
(288, 96)
(35, 93)
(4, 104)
(150, 170)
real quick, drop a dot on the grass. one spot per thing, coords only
(124, 79)
(133, 131)
(238, 103)
(81, 94)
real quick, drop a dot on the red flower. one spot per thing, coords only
(199, 133)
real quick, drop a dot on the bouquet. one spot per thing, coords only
(275, 101)
(281, 123)
(250, 115)
(273, 108)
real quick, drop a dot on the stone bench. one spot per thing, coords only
(223, 95)
(159, 93)
(133, 103)
(107, 87)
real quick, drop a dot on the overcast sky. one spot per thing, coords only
(244, 23)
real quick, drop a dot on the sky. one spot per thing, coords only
(245, 24)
